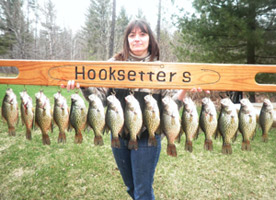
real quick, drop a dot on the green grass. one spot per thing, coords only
(30, 170)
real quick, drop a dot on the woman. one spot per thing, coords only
(137, 167)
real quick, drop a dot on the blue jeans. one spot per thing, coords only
(137, 167)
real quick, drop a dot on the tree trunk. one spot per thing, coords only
(159, 21)
(251, 37)
(251, 40)
(112, 32)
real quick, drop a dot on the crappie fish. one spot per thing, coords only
(10, 111)
(266, 118)
(61, 116)
(114, 119)
(78, 116)
(43, 116)
(133, 120)
(247, 123)
(171, 123)
(228, 123)
(27, 113)
(190, 122)
(151, 116)
(96, 118)
(208, 122)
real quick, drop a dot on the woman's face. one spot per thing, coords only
(138, 42)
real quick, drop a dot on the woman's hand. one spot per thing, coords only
(71, 84)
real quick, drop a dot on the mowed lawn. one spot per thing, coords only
(30, 170)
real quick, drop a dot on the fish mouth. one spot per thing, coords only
(242, 101)
(204, 101)
(11, 102)
(266, 102)
(42, 105)
(128, 99)
(73, 100)
(109, 103)
(188, 110)
(225, 102)
(61, 105)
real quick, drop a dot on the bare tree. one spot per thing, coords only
(159, 21)
(50, 30)
(166, 49)
(112, 32)
(15, 28)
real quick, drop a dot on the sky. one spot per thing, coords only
(71, 13)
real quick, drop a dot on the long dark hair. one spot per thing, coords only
(153, 45)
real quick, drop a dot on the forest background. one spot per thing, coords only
(225, 31)
(218, 31)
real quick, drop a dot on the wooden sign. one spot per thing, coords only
(158, 75)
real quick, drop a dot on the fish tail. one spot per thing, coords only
(115, 142)
(61, 137)
(12, 131)
(28, 133)
(133, 144)
(78, 138)
(98, 141)
(45, 139)
(152, 141)
(171, 150)
(246, 146)
(265, 137)
(189, 146)
(208, 145)
(227, 149)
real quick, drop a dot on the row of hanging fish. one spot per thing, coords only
(132, 119)
(227, 125)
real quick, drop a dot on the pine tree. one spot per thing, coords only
(121, 24)
(229, 31)
(96, 30)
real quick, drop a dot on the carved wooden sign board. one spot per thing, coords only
(155, 75)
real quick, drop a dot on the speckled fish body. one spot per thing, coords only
(208, 122)
(114, 119)
(61, 116)
(247, 123)
(27, 113)
(190, 122)
(43, 116)
(228, 123)
(151, 116)
(266, 118)
(78, 116)
(96, 118)
(133, 120)
(10, 111)
(171, 123)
